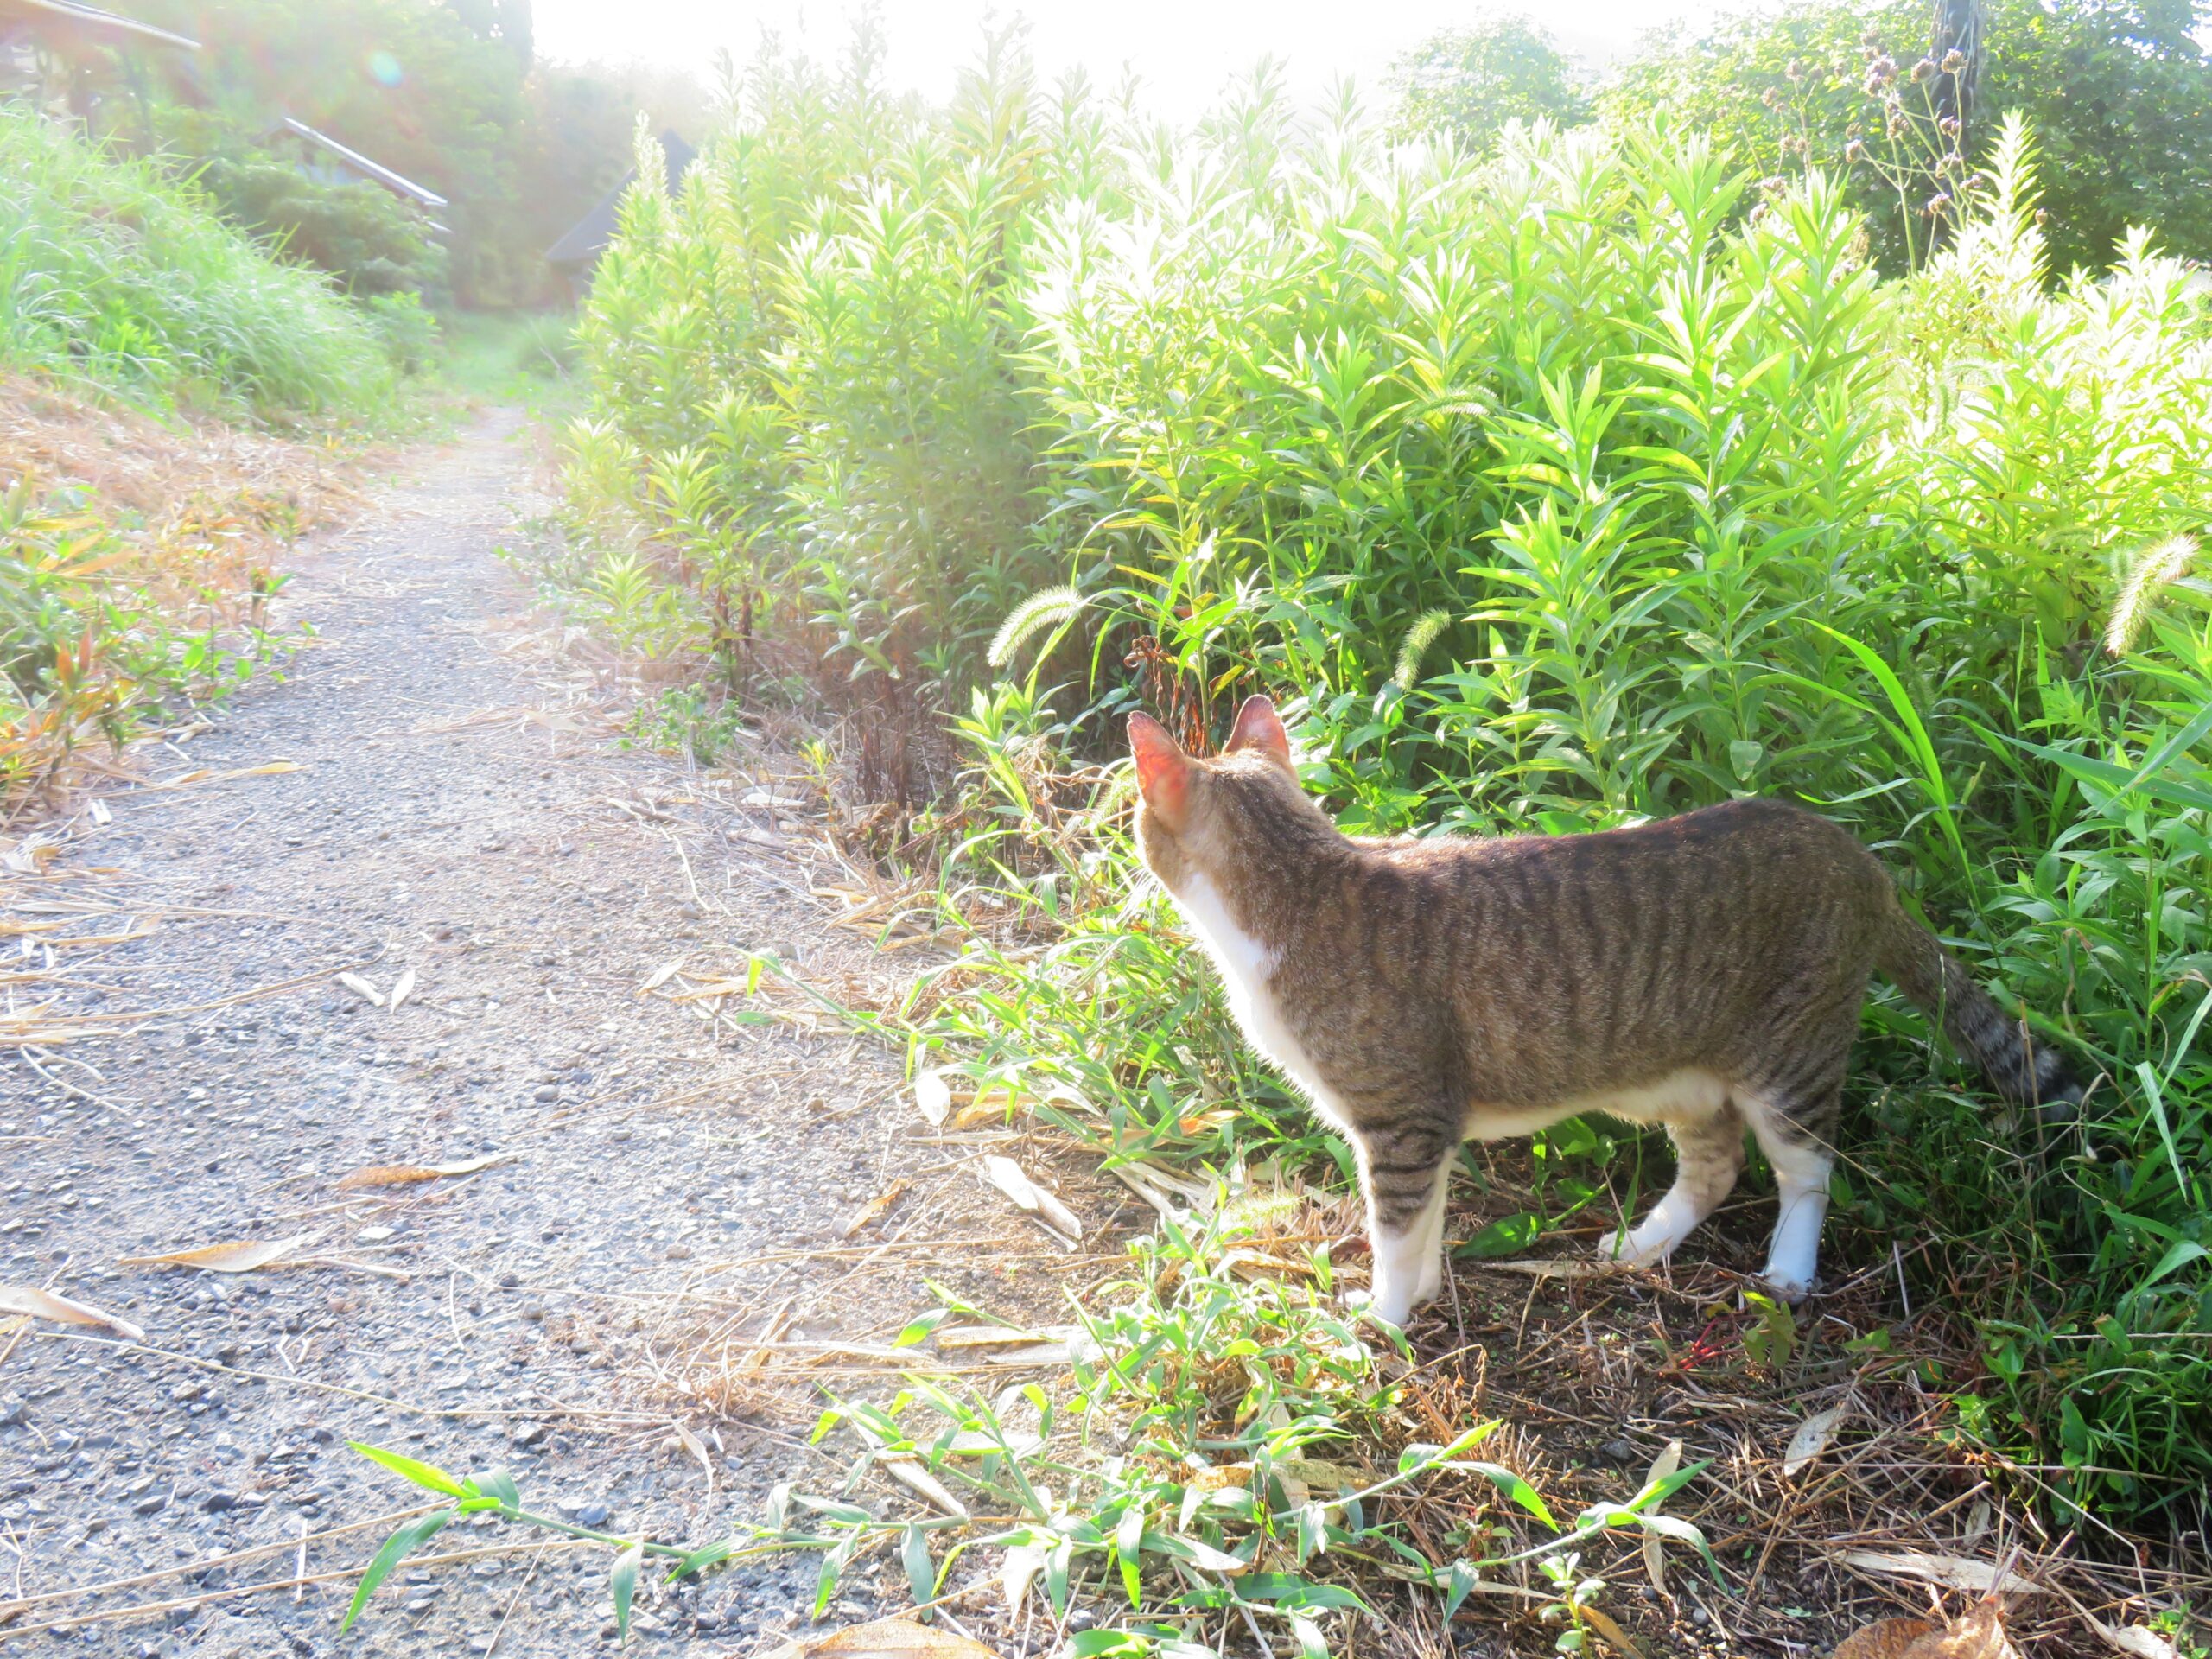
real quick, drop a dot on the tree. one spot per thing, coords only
(506, 22)
(1472, 82)
(2119, 93)
(410, 85)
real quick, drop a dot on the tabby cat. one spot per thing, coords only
(1704, 972)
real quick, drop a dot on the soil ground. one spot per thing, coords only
(664, 1242)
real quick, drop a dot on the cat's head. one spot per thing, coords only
(1212, 817)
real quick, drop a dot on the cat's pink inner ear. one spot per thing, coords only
(1258, 726)
(1163, 770)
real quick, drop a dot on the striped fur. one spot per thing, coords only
(1704, 973)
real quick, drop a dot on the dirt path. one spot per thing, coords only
(675, 1186)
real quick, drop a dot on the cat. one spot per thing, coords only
(1704, 972)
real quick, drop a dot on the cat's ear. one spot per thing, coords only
(1163, 770)
(1258, 726)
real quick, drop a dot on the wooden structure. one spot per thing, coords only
(88, 52)
(321, 157)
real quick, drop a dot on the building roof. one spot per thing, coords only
(589, 237)
(67, 20)
(361, 164)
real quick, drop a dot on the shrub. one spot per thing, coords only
(1470, 82)
(111, 273)
(405, 329)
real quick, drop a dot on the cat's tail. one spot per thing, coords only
(2025, 1072)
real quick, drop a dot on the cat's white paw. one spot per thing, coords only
(1786, 1287)
(1627, 1251)
(1385, 1303)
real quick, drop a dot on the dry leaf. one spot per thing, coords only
(886, 1638)
(2134, 1639)
(242, 1256)
(993, 1105)
(1051, 1344)
(660, 976)
(1952, 1572)
(910, 1473)
(45, 1305)
(1207, 1558)
(1264, 1264)
(1010, 1178)
(697, 1448)
(407, 1174)
(402, 991)
(1022, 1563)
(986, 1336)
(1316, 1471)
(1616, 1638)
(202, 775)
(1044, 1353)
(1812, 1438)
(1977, 1634)
(1888, 1638)
(1175, 1196)
(361, 988)
(875, 1209)
(1978, 1519)
(933, 1095)
(1655, 1555)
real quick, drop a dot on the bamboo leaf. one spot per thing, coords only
(411, 1538)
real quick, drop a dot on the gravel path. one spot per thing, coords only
(673, 1183)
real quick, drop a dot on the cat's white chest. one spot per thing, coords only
(1247, 969)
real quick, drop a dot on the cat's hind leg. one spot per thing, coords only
(1708, 1156)
(1404, 1171)
(1799, 1148)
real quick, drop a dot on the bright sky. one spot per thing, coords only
(1184, 50)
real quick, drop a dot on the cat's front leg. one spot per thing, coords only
(1402, 1170)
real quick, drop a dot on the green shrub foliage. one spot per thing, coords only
(1548, 490)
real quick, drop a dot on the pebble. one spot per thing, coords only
(595, 1515)
(152, 1503)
